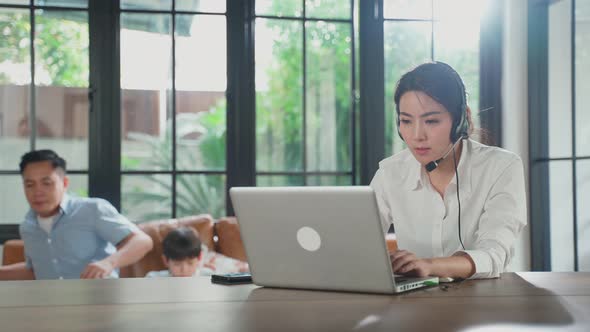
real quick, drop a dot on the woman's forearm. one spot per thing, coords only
(459, 265)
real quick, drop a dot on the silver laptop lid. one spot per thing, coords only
(314, 237)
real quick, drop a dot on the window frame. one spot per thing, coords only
(538, 115)
(367, 99)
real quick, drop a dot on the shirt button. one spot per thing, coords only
(61, 278)
(49, 241)
(55, 261)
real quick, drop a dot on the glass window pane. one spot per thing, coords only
(61, 75)
(200, 95)
(14, 2)
(559, 80)
(406, 45)
(407, 9)
(61, 48)
(146, 5)
(15, 78)
(209, 6)
(561, 215)
(454, 10)
(328, 95)
(583, 185)
(329, 180)
(457, 43)
(146, 197)
(146, 124)
(279, 180)
(582, 67)
(327, 8)
(197, 194)
(289, 8)
(582, 11)
(62, 3)
(78, 184)
(13, 204)
(279, 76)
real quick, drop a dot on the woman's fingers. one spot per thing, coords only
(401, 260)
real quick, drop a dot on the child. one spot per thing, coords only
(185, 256)
(181, 254)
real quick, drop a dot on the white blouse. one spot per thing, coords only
(493, 206)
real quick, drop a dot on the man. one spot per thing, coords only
(68, 237)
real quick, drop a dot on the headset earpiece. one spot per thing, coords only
(460, 127)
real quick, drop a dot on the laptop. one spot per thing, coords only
(322, 238)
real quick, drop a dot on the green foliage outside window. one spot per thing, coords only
(279, 111)
(57, 45)
(195, 194)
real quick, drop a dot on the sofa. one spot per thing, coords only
(221, 235)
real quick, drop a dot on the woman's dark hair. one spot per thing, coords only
(443, 84)
(42, 155)
(181, 243)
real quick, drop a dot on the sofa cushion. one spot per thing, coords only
(158, 230)
(13, 252)
(229, 242)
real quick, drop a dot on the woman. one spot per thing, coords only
(457, 205)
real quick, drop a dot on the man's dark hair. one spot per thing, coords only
(181, 243)
(42, 155)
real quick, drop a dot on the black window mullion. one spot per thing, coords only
(33, 89)
(9, 232)
(241, 103)
(538, 121)
(353, 99)
(304, 95)
(372, 94)
(173, 108)
(574, 147)
(104, 140)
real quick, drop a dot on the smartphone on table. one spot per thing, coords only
(232, 278)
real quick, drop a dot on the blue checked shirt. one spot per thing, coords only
(85, 230)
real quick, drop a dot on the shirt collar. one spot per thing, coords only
(64, 206)
(413, 178)
(416, 174)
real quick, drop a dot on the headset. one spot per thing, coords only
(459, 131)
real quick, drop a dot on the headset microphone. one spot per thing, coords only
(431, 166)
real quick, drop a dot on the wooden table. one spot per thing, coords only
(532, 301)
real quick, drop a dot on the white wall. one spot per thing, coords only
(514, 92)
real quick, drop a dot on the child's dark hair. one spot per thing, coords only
(42, 155)
(181, 243)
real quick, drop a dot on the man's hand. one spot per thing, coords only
(406, 263)
(98, 270)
